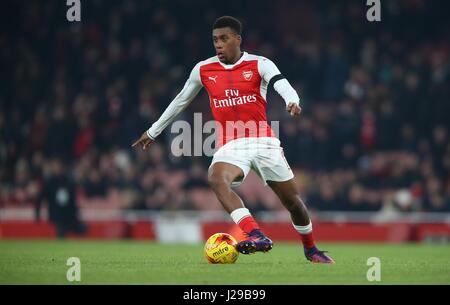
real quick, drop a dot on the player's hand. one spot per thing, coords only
(294, 109)
(144, 141)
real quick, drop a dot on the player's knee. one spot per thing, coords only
(218, 181)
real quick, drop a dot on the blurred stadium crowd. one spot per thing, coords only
(374, 131)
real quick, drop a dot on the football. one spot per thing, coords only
(220, 248)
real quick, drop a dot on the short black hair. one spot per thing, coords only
(228, 21)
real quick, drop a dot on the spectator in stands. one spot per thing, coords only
(58, 191)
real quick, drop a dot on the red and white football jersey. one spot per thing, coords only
(237, 95)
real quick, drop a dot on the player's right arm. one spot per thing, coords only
(190, 90)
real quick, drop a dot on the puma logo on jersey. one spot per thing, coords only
(213, 78)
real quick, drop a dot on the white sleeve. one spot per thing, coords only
(284, 88)
(190, 90)
(267, 70)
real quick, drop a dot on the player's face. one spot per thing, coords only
(227, 44)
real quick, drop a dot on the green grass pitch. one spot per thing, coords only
(131, 262)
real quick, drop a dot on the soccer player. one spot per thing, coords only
(237, 84)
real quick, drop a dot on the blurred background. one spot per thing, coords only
(371, 151)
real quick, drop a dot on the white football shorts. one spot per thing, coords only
(264, 155)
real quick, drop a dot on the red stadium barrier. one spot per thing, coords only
(327, 231)
(107, 230)
(26, 229)
(394, 232)
(142, 230)
(363, 232)
(45, 230)
(432, 230)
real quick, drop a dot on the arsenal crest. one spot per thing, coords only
(247, 75)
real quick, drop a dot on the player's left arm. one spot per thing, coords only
(271, 74)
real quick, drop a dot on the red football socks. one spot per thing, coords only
(308, 240)
(306, 233)
(248, 224)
